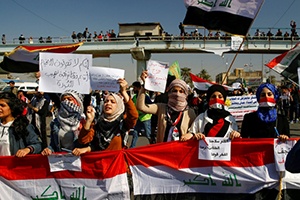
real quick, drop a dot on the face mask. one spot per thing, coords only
(267, 102)
(216, 103)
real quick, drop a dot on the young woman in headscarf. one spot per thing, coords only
(174, 117)
(216, 121)
(266, 122)
(18, 136)
(107, 131)
(67, 124)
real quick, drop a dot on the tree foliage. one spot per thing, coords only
(204, 75)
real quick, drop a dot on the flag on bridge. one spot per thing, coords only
(234, 17)
(24, 59)
(287, 64)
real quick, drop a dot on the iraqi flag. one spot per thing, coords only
(235, 17)
(287, 64)
(25, 59)
(102, 176)
(203, 85)
(172, 169)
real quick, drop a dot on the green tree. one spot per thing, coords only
(185, 75)
(204, 75)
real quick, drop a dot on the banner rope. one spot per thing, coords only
(279, 196)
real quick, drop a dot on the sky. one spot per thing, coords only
(57, 18)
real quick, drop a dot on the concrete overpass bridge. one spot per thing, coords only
(141, 48)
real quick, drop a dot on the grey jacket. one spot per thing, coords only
(32, 140)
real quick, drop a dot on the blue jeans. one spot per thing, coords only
(146, 125)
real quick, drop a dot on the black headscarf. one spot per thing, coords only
(217, 115)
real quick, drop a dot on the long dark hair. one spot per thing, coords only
(21, 122)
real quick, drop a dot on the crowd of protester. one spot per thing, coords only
(104, 120)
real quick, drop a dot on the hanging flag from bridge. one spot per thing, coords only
(233, 17)
(287, 64)
(24, 59)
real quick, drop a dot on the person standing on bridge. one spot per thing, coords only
(266, 122)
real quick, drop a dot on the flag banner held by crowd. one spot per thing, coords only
(238, 106)
(157, 76)
(104, 78)
(25, 59)
(61, 72)
(102, 176)
(178, 171)
(287, 63)
(235, 17)
(203, 85)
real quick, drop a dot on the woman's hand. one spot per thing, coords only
(23, 152)
(234, 134)
(79, 151)
(90, 113)
(144, 75)
(199, 136)
(123, 84)
(283, 138)
(46, 152)
(186, 137)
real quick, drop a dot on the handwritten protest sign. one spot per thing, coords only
(281, 149)
(241, 105)
(60, 72)
(103, 78)
(215, 149)
(157, 76)
(61, 162)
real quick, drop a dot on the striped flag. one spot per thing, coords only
(103, 176)
(178, 173)
(203, 85)
(287, 63)
(24, 59)
(234, 17)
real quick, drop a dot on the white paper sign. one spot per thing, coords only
(61, 162)
(157, 76)
(103, 78)
(236, 43)
(60, 72)
(281, 149)
(214, 148)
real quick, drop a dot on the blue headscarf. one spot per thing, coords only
(267, 114)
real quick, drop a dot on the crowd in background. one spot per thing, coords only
(87, 36)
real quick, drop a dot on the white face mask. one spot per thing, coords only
(267, 102)
(216, 103)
